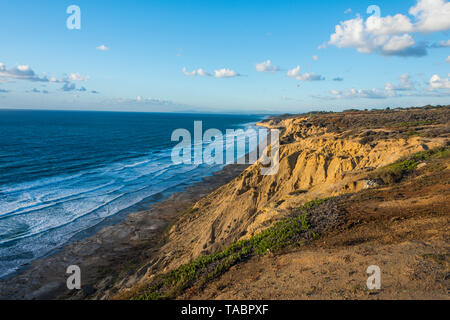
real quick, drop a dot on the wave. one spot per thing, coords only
(38, 183)
(40, 215)
(43, 202)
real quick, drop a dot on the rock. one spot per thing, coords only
(421, 165)
(371, 184)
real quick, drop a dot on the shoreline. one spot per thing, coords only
(135, 238)
(120, 261)
(45, 277)
(142, 206)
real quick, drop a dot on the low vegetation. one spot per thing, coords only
(395, 172)
(291, 231)
(413, 123)
(318, 216)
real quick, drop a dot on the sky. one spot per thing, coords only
(224, 56)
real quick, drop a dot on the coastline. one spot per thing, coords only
(323, 159)
(125, 261)
(105, 254)
(141, 227)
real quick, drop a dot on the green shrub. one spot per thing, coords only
(395, 172)
(285, 233)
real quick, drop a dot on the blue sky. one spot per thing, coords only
(214, 55)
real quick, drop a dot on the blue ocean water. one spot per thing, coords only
(64, 172)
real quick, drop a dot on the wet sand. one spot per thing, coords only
(115, 252)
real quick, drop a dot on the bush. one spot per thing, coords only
(285, 233)
(395, 172)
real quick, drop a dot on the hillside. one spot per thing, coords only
(354, 189)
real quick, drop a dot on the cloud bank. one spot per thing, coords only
(437, 87)
(23, 72)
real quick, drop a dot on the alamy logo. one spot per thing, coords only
(74, 20)
(374, 280)
(74, 280)
(374, 10)
(211, 147)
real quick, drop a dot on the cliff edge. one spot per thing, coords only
(336, 169)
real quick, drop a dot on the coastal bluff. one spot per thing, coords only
(325, 156)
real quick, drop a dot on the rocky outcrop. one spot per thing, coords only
(314, 163)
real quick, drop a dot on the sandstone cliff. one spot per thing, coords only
(321, 155)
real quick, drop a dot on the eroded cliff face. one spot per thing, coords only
(321, 155)
(314, 163)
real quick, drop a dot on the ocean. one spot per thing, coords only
(62, 173)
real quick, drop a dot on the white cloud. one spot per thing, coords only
(398, 43)
(222, 73)
(78, 77)
(389, 25)
(448, 59)
(391, 35)
(203, 73)
(405, 84)
(310, 77)
(349, 10)
(437, 82)
(365, 38)
(315, 58)
(24, 72)
(266, 66)
(189, 73)
(102, 48)
(382, 94)
(68, 86)
(199, 72)
(21, 72)
(438, 88)
(225, 73)
(296, 74)
(441, 44)
(142, 101)
(431, 15)
(360, 93)
(445, 44)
